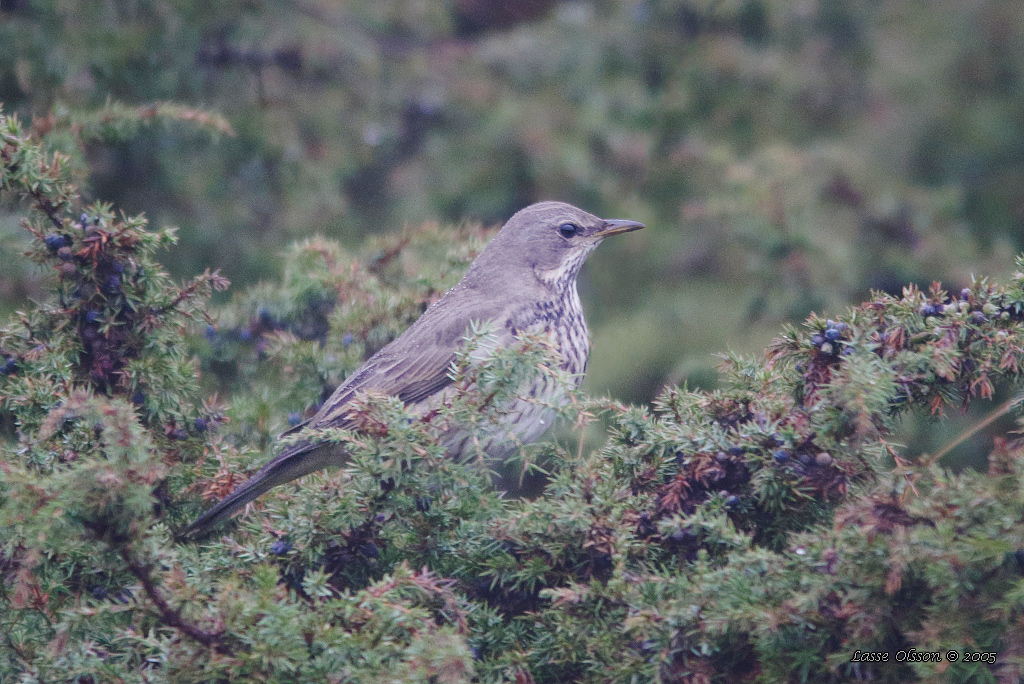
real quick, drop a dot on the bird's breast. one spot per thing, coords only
(560, 319)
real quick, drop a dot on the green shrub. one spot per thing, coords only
(768, 530)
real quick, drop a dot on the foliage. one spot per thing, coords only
(787, 158)
(767, 530)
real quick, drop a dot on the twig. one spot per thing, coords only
(212, 279)
(1003, 409)
(41, 200)
(46, 206)
(378, 263)
(168, 615)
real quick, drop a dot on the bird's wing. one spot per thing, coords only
(411, 379)
(413, 367)
(394, 370)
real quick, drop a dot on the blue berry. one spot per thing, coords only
(280, 547)
(92, 316)
(210, 332)
(83, 219)
(65, 253)
(245, 334)
(346, 339)
(200, 424)
(965, 293)
(818, 340)
(732, 501)
(266, 319)
(112, 284)
(842, 327)
(139, 398)
(423, 503)
(9, 367)
(54, 241)
(735, 451)
(294, 419)
(781, 455)
(117, 266)
(832, 334)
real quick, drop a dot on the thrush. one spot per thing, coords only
(523, 281)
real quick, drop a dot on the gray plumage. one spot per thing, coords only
(524, 280)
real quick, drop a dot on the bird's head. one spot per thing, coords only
(551, 240)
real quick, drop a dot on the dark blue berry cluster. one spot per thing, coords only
(802, 464)
(984, 307)
(55, 241)
(95, 274)
(101, 592)
(309, 323)
(829, 340)
(802, 458)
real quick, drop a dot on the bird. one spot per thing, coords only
(523, 281)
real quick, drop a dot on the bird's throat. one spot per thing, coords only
(560, 281)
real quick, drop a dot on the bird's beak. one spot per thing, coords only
(616, 226)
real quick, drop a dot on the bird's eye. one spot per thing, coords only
(567, 230)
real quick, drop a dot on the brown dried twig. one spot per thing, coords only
(168, 615)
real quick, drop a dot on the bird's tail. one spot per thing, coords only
(296, 461)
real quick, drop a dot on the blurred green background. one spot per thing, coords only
(787, 156)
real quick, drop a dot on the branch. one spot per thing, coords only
(215, 280)
(46, 206)
(40, 198)
(168, 615)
